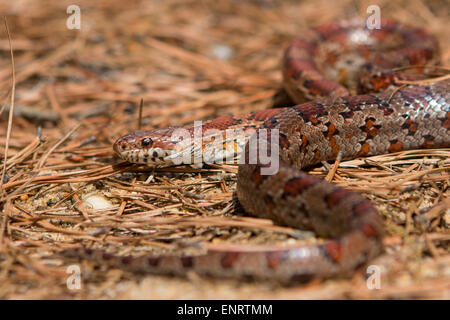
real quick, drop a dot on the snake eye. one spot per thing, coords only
(146, 141)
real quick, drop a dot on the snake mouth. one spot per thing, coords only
(151, 156)
(137, 147)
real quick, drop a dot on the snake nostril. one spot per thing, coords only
(117, 147)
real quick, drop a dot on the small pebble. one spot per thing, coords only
(96, 202)
(222, 51)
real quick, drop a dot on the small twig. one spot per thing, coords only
(124, 202)
(45, 156)
(141, 107)
(8, 135)
(334, 168)
(11, 110)
(40, 165)
(425, 81)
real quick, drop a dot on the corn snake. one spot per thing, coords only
(357, 111)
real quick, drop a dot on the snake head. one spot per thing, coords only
(151, 147)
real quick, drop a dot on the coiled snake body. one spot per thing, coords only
(338, 122)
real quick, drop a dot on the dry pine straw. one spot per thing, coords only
(53, 176)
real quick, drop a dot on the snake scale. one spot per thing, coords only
(349, 72)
